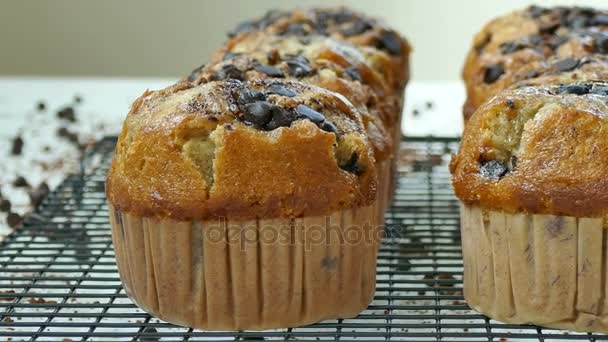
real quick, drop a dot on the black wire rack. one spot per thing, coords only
(59, 282)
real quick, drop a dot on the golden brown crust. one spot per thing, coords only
(540, 150)
(322, 61)
(197, 152)
(534, 34)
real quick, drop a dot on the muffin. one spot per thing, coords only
(531, 176)
(333, 65)
(337, 49)
(527, 36)
(245, 205)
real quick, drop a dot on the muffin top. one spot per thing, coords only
(241, 149)
(341, 24)
(509, 42)
(537, 149)
(322, 61)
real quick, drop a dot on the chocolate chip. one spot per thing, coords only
(537, 11)
(532, 74)
(14, 220)
(77, 99)
(600, 90)
(273, 56)
(299, 66)
(231, 55)
(600, 20)
(195, 73)
(149, 331)
(41, 106)
(493, 169)
(429, 104)
(510, 47)
(20, 182)
(279, 89)
(510, 103)
(535, 39)
(67, 113)
(328, 126)
(258, 113)
(576, 89)
(269, 70)
(357, 27)
(306, 112)
(415, 112)
(354, 73)
(242, 28)
(280, 118)
(17, 146)
(5, 205)
(295, 29)
(39, 194)
(247, 95)
(72, 137)
(229, 71)
(493, 73)
(601, 43)
(567, 64)
(391, 42)
(352, 165)
(549, 28)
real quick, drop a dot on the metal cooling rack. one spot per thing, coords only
(58, 277)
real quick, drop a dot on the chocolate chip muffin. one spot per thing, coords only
(531, 175)
(526, 36)
(331, 64)
(235, 203)
(336, 49)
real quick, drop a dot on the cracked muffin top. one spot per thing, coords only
(324, 62)
(340, 23)
(538, 149)
(241, 149)
(512, 41)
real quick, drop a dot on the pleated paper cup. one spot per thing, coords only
(249, 275)
(541, 269)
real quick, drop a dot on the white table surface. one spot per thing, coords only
(106, 101)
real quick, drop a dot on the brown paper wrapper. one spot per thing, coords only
(249, 275)
(540, 269)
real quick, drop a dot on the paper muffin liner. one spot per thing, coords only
(249, 275)
(540, 269)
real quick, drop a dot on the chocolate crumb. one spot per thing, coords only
(39, 194)
(41, 106)
(20, 182)
(14, 220)
(352, 165)
(415, 112)
(429, 104)
(67, 114)
(5, 205)
(17, 146)
(77, 98)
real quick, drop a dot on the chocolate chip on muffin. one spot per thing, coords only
(493, 169)
(352, 165)
(270, 70)
(493, 73)
(576, 89)
(566, 64)
(299, 66)
(390, 41)
(310, 114)
(279, 89)
(229, 71)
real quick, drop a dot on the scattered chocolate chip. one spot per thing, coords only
(357, 27)
(537, 11)
(493, 73)
(196, 73)
(17, 146)
(600, 91)
(230, 55)
(328, 126)
(391, 42)
(258, 113)
(39, 194)
(352, 165)
(270, 70)
(566, 64)
(14, 220)
(63, 132)
(41, 106)
(77, 98)
(306, 112)
(510, 103)
(493, 169)
(248, 95)
(20, 182)
(229, 71)
(299, 66)
(5, 205)
(279, 89)
(415, 112)
(150, 331)
(576, 89)
(67, 114)
(601, 43)
(354, 73)
(46, 148)
(280, 118)
(429, 104)
(242, 28)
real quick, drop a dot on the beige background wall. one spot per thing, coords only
(167, 38)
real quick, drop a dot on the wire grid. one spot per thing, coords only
(59, 282)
